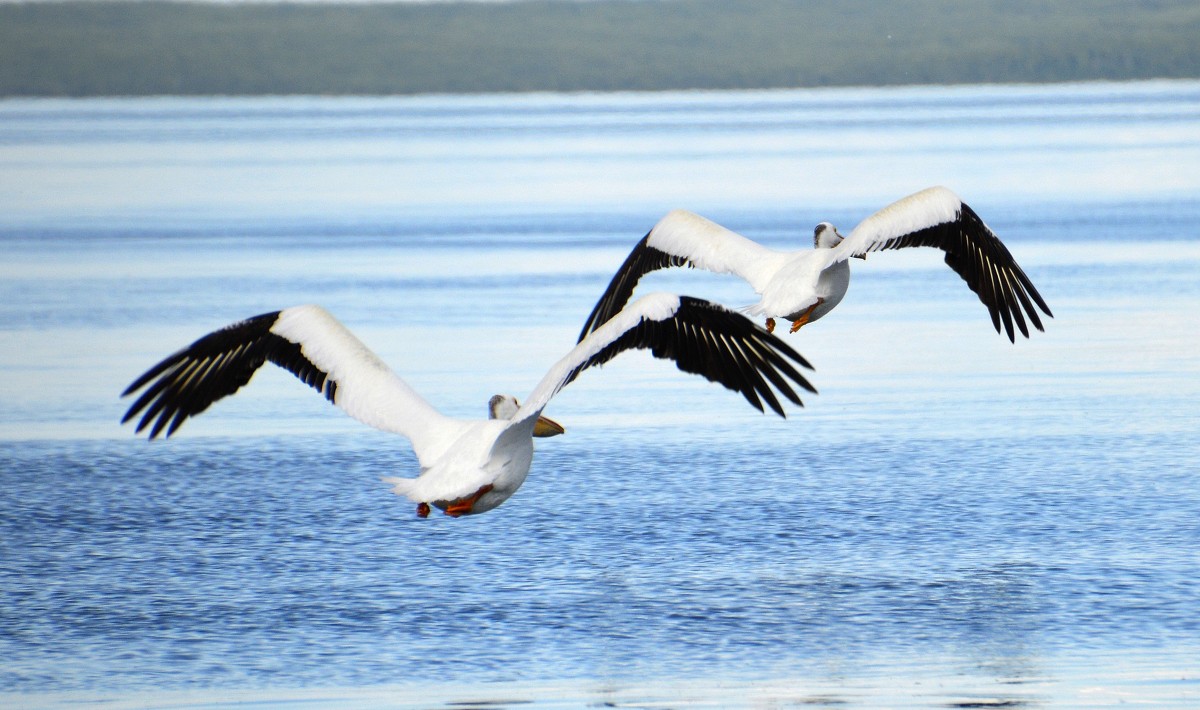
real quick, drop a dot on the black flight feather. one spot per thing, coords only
(707, 339)
(215, 366)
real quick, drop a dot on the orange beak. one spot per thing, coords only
(544, 426)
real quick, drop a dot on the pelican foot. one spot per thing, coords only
(463, 506)
(422, 510)
(803, 319)
(771, 325)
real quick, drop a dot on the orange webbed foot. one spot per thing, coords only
(770, 325)
(463, 506)
(803, 319)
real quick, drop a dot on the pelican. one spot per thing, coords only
(467, 466)
(804, 285)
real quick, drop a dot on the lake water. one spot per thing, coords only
(954, 521)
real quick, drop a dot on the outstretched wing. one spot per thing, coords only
(936, 217)
(305, 340)
(683, 238)
(701, 337)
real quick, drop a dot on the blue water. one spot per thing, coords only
(954, 519)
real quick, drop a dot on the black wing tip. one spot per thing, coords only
(992, 272)
(213, 367)
(722, 345)
(130, 414)
(767, 355)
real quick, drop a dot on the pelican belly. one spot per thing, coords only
(793, 289)
(466, 465)
(831, 288)
(510, 468)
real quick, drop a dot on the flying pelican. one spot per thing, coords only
(467, 466)
(804, 285)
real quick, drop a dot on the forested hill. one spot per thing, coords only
(143, 48)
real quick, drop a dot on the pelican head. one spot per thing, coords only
(826, 236)
(505, 406)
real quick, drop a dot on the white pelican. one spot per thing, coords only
(467, 466)
(804, 285)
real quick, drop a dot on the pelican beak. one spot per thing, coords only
(545, 426)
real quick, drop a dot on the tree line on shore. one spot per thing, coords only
(106, 48)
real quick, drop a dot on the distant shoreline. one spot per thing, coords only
(500, 95)
(104, 48)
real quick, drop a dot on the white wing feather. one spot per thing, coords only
(714, 248)
(921, 210)
(367, 389)
(655, 306)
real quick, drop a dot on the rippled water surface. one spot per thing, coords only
(954, 521)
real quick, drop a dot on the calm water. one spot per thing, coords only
(954, 521)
